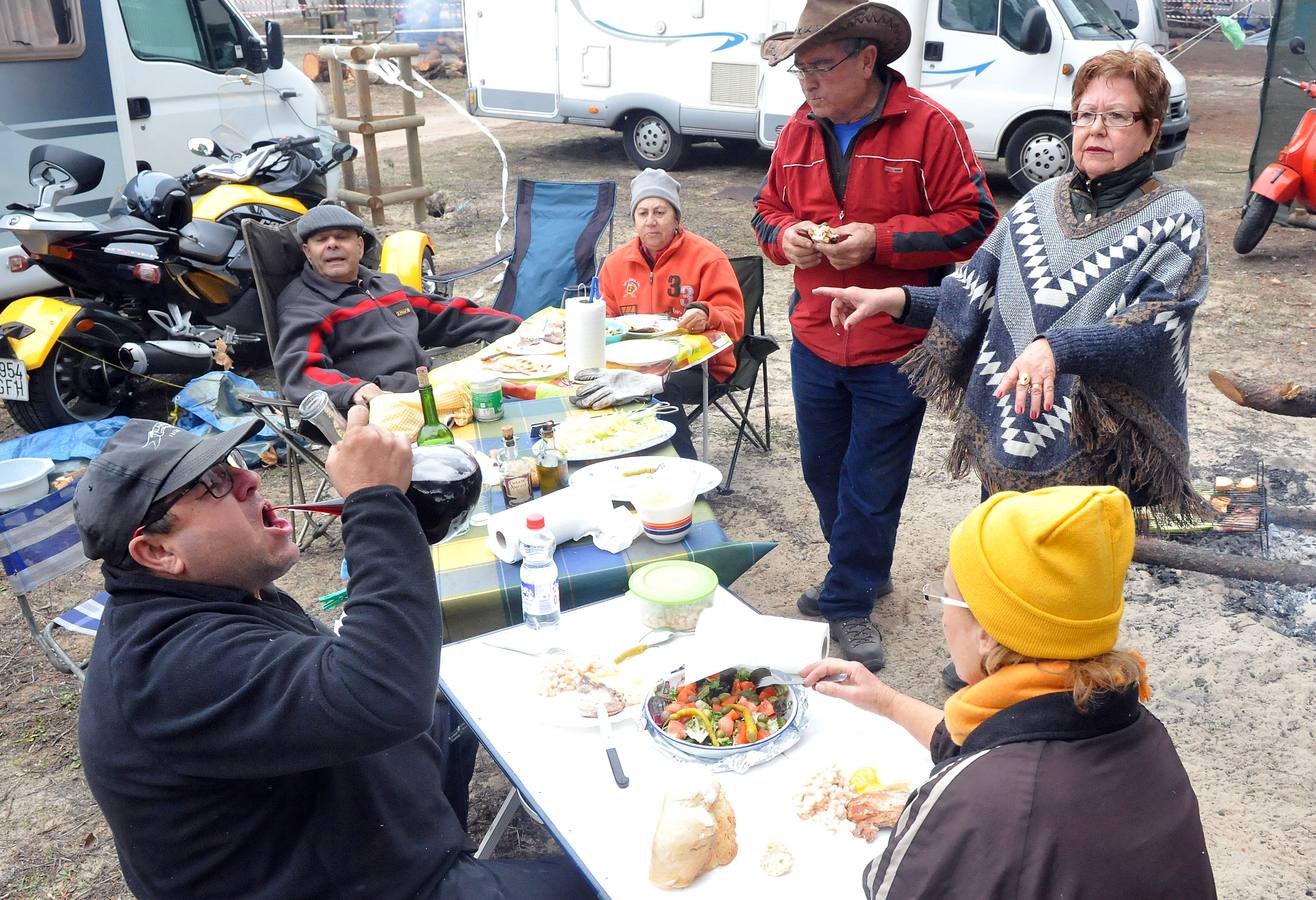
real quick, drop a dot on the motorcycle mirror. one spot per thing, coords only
(1297, 46)
(201, 147)
(344, 152)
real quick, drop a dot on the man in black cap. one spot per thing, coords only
(239, 748)
(357, 333)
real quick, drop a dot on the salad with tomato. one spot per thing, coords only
(723, 710)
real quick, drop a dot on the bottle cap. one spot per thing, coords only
(534, 523)
(507, 431)
(421, 372)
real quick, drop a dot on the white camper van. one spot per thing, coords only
(689, 70)
(131, 81)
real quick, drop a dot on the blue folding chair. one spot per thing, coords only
(558, 228)
(39, 543)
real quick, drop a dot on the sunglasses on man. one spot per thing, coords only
(217, 480)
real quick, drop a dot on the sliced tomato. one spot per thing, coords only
(676, 728)
(727, 726)
(765, 709)
(742, 734)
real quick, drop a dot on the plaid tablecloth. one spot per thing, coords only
(695, 349)
(480, 593)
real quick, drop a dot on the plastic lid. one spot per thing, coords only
(534, 523)
(674, 582)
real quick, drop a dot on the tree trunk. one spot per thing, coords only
(1287, 399)
(315, 68)
(1227, 565)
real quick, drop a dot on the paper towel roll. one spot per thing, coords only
(585, 334)
(569, 514)
(779, 643)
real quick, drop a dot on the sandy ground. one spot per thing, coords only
(1232, 663)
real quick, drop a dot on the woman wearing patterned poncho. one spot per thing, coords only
(1061, 350)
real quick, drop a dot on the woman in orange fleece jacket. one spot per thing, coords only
(668, 270)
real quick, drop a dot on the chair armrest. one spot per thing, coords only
(759, 346)
(450, 277)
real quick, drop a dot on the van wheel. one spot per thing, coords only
(1258, 213)
(72, 386)
(1039, 150)
(651, 142)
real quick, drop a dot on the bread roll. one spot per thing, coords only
(1223, 483)
(696, 832)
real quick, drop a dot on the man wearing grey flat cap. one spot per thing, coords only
(356, 333)
(240, 748)
(871, 184)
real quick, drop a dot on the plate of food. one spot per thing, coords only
(614, 330)
(605, 435)
(571, 687)
(648, 325)
(524, 368)
(641, 353)
(527, 345)
(720, 715)
(625, 479)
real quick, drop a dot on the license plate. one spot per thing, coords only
(13, 379)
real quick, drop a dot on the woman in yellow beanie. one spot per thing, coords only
(1050, 779)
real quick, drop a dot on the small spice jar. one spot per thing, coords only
(487, 399)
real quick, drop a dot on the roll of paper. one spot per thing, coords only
(569, 514)
(585, 334)
(779, 643)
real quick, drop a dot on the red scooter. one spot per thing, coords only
(1291, 179)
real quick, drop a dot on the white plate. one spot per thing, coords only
(562, 711)
(641, 353)
(637, 323)
(670, 470)
(662, 436)
(543, 367)
(528, 346)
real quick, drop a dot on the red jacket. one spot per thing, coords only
(689, 270)
(913, 176)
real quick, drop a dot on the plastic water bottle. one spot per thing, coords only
(540, 604)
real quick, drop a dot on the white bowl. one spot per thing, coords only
(23, 481)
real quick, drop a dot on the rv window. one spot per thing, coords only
(200, 32)
(40, 29)
(969, 15)
(1012, 20)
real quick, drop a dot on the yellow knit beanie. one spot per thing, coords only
(1043, 572)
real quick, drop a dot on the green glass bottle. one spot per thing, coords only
(433, 431)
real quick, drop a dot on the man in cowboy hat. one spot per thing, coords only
(871, 184)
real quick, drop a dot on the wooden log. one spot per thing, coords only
(315, 68)
(1157, 552)
(1292, 516)
(1287, 399)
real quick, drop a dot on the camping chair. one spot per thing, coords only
(752, 353)
(558, 227)
(276, 259)
(40, 542)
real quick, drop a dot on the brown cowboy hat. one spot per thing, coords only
(835, 20)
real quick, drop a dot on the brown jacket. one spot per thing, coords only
(1045, 802)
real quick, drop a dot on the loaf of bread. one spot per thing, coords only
(696, 832)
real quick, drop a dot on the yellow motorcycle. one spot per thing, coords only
(162, 285)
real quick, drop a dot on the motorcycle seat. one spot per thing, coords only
(206, 241)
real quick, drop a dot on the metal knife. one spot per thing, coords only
(605, 729)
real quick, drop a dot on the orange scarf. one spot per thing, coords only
(969, 707)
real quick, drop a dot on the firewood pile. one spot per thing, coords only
(445, 58)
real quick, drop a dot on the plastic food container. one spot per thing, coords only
(672, 593)
(22, 481)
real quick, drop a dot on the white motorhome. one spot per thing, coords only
(131, 81)
(689, 70)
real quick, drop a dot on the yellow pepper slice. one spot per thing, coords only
(703, 720)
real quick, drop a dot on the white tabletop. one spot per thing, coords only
(562, 770)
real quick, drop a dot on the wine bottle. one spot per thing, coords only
(433, 431)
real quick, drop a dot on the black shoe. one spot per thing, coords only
(808, 602)
(859, 640)
(951, 678)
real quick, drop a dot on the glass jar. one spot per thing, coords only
(487, 399)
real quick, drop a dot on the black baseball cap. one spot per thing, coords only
(143, 462)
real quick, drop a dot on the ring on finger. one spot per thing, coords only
(1025, 379)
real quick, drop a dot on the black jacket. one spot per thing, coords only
(239, 749)
(1045, 802)
(336, 337)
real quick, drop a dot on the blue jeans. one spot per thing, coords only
(858, 429)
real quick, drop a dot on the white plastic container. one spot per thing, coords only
(22, 481)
